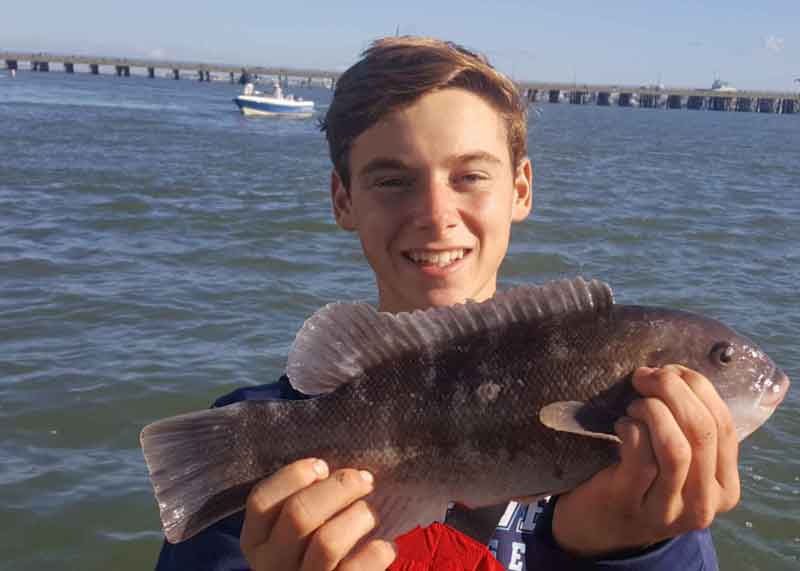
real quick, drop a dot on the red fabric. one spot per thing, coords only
(441, 548)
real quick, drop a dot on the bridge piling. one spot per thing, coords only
(648, 101)
(744, 104)
(674, 102)
(766, 105)
(695, 102)
(578, 97)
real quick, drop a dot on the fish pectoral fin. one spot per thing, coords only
(578, 418)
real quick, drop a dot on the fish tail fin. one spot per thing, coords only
(198, 467)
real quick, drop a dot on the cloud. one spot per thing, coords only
(774, 44)
(157, 53)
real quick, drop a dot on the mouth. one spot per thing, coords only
(775, 391)
(440, 259)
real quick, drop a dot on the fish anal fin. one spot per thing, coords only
(397, 514)
(579, 418)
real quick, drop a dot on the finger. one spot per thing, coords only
(638, 467)
(265, 500)
(308, 509)
(674, 385)
(375, 555)
(336, 538)
(727, 465)
(672, 452)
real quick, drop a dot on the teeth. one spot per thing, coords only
(440, 259)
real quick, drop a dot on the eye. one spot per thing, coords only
(470, 180)
(392, 183)
(473, 177)
(722, 353)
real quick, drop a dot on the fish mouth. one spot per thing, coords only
(775, 391)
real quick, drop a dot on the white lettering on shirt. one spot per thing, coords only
(508, 515)
(531, 515)
(517, 563)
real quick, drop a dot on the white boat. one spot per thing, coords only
(252, 102)
(720, 85)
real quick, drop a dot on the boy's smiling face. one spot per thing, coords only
(432, 197)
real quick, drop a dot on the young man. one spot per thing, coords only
(428, 144)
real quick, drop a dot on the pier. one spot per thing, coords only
(122, 67)
(648, 97)
(652, 97)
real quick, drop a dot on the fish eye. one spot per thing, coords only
(722, 352)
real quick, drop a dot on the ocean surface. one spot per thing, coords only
(158, 250)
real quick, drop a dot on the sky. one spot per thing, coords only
(753, 44)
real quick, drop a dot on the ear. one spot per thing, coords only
(523, 191)
(342, 203)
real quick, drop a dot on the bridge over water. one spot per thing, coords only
(665, 97)
(553, 92)
(176, 69)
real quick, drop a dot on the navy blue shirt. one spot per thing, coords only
(523, 538)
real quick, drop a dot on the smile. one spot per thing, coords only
(440, 258)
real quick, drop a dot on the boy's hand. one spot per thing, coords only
(678, 469)
(303, 519)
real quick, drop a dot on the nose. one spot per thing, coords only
(774, 394)
(437, 208)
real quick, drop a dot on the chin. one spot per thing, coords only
(443, 299)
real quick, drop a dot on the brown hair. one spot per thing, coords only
(394, 72)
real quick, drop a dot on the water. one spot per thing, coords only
(158, 250)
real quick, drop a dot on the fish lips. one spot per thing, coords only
(775, 392)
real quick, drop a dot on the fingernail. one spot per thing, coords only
(366, 476)
(321, 468)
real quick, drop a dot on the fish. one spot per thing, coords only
(477, 403)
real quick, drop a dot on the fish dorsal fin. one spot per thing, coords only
(342, 340)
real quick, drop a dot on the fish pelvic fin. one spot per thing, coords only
(341, 341)
(195, 464)
(578, 418)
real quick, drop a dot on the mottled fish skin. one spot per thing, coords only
(458, 420)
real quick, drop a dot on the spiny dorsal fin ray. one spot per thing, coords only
(342, 340)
